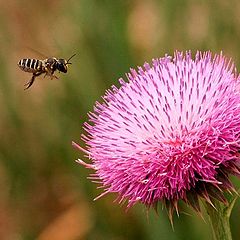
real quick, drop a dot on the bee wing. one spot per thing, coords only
(37, 52)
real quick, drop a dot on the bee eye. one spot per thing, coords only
(62, 67)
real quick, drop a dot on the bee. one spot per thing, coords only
(47, 66)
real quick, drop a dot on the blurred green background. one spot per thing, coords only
(44, 194)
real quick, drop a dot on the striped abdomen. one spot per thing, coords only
(30, 65)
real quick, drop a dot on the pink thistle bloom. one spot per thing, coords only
(170, 133)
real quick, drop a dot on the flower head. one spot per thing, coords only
(171, 132)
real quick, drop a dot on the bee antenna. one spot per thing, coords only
(70, 58)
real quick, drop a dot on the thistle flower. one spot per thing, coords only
(169, 133)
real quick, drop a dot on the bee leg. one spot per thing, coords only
(50, 75)
(53, 76)
(30, 83)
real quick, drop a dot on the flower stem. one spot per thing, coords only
(219, 219)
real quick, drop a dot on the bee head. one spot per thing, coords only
(62, 64)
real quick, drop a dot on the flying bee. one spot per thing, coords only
(47, 66)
